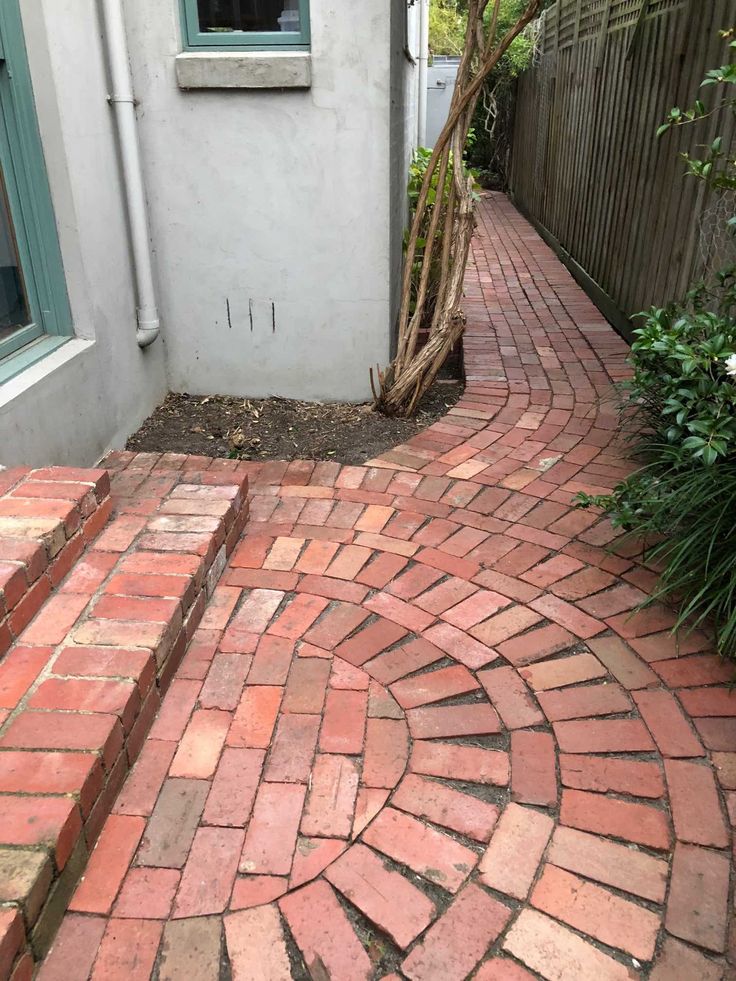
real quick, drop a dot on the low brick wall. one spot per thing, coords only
(85, 668)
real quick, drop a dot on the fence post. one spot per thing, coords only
(603, 35)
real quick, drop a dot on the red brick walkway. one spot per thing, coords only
(417, 733)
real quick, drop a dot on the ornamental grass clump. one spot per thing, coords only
(681, 400)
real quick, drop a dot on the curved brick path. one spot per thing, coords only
(417, 733)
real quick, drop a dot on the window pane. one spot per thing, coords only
(225, 16)
(14, 312)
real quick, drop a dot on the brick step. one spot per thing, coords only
(47, 518)
(84, 677)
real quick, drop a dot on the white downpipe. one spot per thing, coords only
(423, 71)
(123, 103)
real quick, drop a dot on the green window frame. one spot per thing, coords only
(196, 39)
(29, 202)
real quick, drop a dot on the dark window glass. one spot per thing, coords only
(261, 16)
(14, 313)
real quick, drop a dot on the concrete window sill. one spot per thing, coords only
(244, 70)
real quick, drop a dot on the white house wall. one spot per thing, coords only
(271, 210)
(91, 393)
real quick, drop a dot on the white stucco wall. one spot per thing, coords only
(276, 220)
(272, 197)
(90, 394)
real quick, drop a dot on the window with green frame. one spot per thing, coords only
(33, 299)
(246, 24)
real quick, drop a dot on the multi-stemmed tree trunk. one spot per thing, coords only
(448, 221)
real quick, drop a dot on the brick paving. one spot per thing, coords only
(418, 732)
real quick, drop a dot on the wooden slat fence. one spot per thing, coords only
(587, 166)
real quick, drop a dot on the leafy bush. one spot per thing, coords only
(682, 400)
(684, 361)
(446, 28)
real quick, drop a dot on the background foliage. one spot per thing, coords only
(492, 125)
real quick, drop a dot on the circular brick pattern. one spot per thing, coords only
(497, 769)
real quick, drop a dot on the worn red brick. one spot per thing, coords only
(12, 936)
(201, 744)
(433, 686)
(456, 942)
(603, 736)
(224, 682)
(623, 663)
(108, 864)
(128, 950)
(312, 856)
(502, 969)
(511, 698)
(324, 934)
(74, 948)
(343, 724)
(446, 595)
(331, 799)
(306, 686)
(597, 912)
(584, 701)
(170, 831)
(639, 823)
(290, 760)
(271, 836)
(18, 670)
(533, 773)
(298, 616)
(563, 671)
(697, 906)
(620, 866)
(139, 793)
(190, 948)
(459, 646)
(435, 802)
(336, 625)
(452, 720)
(393, 903)
(234, 787)
(176, 709)
(456, 762)
(147, 889)
(386, 752)
(209, 874)
(538, 941)
(255, 717)
(255, 936)
(70, 694)
(434, 856)
(510, 862)
(505, 625)
(639, 778)
(695, 804)
(535, 645)
(679, 959)
(370, 641)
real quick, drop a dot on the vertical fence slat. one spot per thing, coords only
(586, 164)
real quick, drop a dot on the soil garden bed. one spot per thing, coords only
(283, 429)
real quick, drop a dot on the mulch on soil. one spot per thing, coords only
(283, 429)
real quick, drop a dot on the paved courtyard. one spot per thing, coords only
(418, 732)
